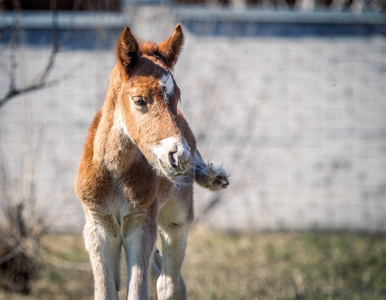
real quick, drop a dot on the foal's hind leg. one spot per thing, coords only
(103, 243)
(173, 220)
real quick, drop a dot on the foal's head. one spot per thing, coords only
(147, 101)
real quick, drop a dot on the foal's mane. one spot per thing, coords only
(148, 48)
(151, 49)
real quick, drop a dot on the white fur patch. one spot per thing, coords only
(165, 146)
(167, 85)
(120, 124)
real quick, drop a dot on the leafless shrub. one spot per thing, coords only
(21, 227)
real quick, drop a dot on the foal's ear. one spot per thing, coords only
(127, 50)
(170, 49)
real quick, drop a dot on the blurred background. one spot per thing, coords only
(289, 95)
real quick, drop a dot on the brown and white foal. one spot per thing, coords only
(136, 174)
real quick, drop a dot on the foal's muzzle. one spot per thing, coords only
(173, 156)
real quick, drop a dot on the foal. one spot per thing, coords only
(136, 174)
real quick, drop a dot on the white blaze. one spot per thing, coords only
(167, 85)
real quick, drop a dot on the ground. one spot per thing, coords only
(222, 265)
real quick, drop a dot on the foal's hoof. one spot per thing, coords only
(220, 182)
(212, 177)
(218, 179)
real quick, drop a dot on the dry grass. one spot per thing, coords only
(286, 266)
(232, 266)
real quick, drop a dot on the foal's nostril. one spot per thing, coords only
(172, 160)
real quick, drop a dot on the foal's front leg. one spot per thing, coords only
(174, 220)
(139, 232)
(103, 243)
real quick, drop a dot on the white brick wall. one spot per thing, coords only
(299, 123)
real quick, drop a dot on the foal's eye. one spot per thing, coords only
(139, 101)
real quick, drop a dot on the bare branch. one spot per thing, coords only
(13, 92)
(40, 81)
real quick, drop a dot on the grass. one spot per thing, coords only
(286, 266)
(235, 266)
